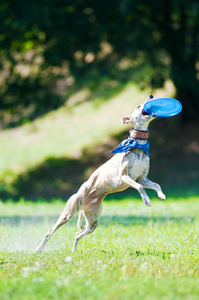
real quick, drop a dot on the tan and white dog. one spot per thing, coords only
(123, 170)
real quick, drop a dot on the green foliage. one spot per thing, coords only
(57, 153)
(47, 46)
(136, 253)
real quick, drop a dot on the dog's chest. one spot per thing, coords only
(138, 164)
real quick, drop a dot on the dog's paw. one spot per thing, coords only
(147, 201)
(162, 196)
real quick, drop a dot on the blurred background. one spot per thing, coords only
(69, 70)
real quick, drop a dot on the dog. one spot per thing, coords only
(129, 167)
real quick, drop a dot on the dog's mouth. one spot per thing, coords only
(144, 113)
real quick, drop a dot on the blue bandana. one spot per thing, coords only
(130, 143)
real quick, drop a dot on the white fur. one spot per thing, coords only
(123, 170)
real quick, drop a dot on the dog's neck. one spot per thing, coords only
(141, 136)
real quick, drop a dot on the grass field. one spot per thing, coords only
(63, 134)
(135, 253)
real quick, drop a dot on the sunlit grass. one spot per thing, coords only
(135, 253)
(67, 130)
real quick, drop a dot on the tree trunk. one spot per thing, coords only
(184, 78)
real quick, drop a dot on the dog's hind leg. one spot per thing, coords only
(92, 215)
(65, 216)
(73, 205)
(79, 221)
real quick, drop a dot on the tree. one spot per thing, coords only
(46, 41)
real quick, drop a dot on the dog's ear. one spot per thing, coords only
(149, 98)
(126, 120)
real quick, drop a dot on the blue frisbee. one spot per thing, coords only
(163, 107)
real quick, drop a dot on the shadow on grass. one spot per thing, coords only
(32, 98)
(104, 220)
(174, 154)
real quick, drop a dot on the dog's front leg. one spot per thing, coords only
(145, 182)
(126, 179)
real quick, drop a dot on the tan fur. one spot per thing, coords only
(123, 170)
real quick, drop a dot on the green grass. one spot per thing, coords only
(65, 132)
(135, 253)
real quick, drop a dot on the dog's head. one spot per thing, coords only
(139, 118)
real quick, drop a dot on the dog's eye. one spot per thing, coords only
(138, 107)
